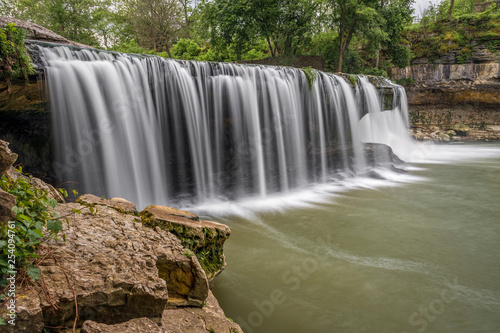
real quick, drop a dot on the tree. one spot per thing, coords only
(187, 10)
(450, 11)
(282, 23)
(397, 15)
(156, 23)
(350, 17)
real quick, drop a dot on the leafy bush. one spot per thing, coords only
(186, 49)
(35, 223)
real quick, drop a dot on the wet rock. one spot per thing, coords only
(210, 318)
(7, 158)
(132, 326)
(204, 238)
(118, 204)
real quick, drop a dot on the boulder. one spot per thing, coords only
(131, 326)
(38, 32)
(116, 268)
(7, 158)
(204, 238)
(210, 318)
(118, 204)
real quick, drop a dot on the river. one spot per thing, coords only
(418, 253)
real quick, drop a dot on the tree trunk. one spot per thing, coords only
(341, 59)
(270, 47)
(186, 17)
(452, 3)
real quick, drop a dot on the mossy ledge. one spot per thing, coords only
(204, 238)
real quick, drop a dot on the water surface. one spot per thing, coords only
(418, 255)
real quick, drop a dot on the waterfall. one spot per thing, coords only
(163, 131)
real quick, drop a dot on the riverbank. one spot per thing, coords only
(455, 133)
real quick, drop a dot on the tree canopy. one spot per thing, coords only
(352, 35)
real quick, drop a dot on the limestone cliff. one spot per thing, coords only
(444, 93)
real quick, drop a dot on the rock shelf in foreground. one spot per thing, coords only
(123, 273)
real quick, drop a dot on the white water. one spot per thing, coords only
(155, 130)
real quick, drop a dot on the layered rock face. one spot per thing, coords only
(445, 93)
(117, 272)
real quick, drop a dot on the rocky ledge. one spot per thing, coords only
(455, 133)
(121, 270)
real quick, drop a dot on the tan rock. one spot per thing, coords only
(119, 204)
(38, 32)
(118, 268)
(29, 316)
(210, 318)
(38, 183)
(7, 158)
(162, 211)
(7, 201)
(138, 325)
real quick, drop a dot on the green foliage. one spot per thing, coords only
(311, 75)
(186, 49)
(14, 60)
(438, 34)
(373, 71)
(282, 24)
(35, 222)
(406, 81)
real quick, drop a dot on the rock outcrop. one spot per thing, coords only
(118, 273)
(37, 32)
(444, 93)
(7, 158)
(204, 238)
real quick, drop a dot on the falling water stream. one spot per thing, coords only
(155, 130)
(318, 244)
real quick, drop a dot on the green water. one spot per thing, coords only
(420, 256)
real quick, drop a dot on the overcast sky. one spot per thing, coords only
(421, 5)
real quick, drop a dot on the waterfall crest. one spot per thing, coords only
(157, 130)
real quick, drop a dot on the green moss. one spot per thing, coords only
(353, 79)
(311, 75)
(208, 249)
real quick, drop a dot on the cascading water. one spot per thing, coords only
(387, 127)
(156, 130)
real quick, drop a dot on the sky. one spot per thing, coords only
(421, 5)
